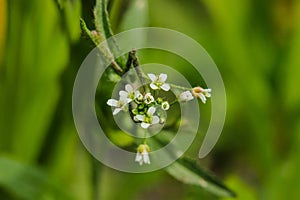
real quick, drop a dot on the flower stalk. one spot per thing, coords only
(146, 106)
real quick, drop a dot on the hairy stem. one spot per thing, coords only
(135, 63)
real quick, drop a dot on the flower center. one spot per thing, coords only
(148, 119)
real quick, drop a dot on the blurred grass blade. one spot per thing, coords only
(31, 83)
(289, 77)
(2, 27)
(25, 182)
(72, 12)
(137, 15)
(187, 171)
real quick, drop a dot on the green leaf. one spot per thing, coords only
(103, 26)
(289, 76)
(188, 171)
(244, 190)
(2, 29)
(102, 22)
(31, 83)
(72, 12)
(26, 182)
(93, 36)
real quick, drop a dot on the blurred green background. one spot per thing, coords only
(255, 44)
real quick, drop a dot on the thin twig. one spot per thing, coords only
(117, 68)
(135, 63)
(129, 62)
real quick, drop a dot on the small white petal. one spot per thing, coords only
(148, 98)
(202, 97)
(116, 111)
(128, 88)
(182, 97)
(189, 96)
(152, 77)
(163, 77)
(122, 93)
(146, 160)
(146, 157)
(128, 100)
(207, 92)
(140, 117)
(138, 157)
(137, 93)
(208, 95)
(186, 96)
(165, 87)
(124, 100)
(112, 102)
(165, 105)
(155, 120)
(138, 96)
(145, 125)
(153, 86)
(151, 111)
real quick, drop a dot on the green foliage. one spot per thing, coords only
(26, 182)
(29, 80)
(255, 45)
(189, 172)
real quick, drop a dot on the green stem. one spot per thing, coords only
(175, 101)
(172, 85)
(180, 87)
(117, 68)
(135, 63)
(97, 38)
(145, 137)
(129, 62)
(103, 26)
(101, 16)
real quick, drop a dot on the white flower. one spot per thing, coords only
(185, 96)
(202, 93)
(128, 93)
(165, 105)
(142, 155)
(138, 96)
(118, 104)
(148, 98)
(158, 82)
(148, 119)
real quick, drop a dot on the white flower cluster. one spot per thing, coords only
(143, 106)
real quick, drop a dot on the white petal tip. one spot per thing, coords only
(165, 87)
(163, 77)
(153, 86)
(145, 125)
(116, 111)
(152, 77)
